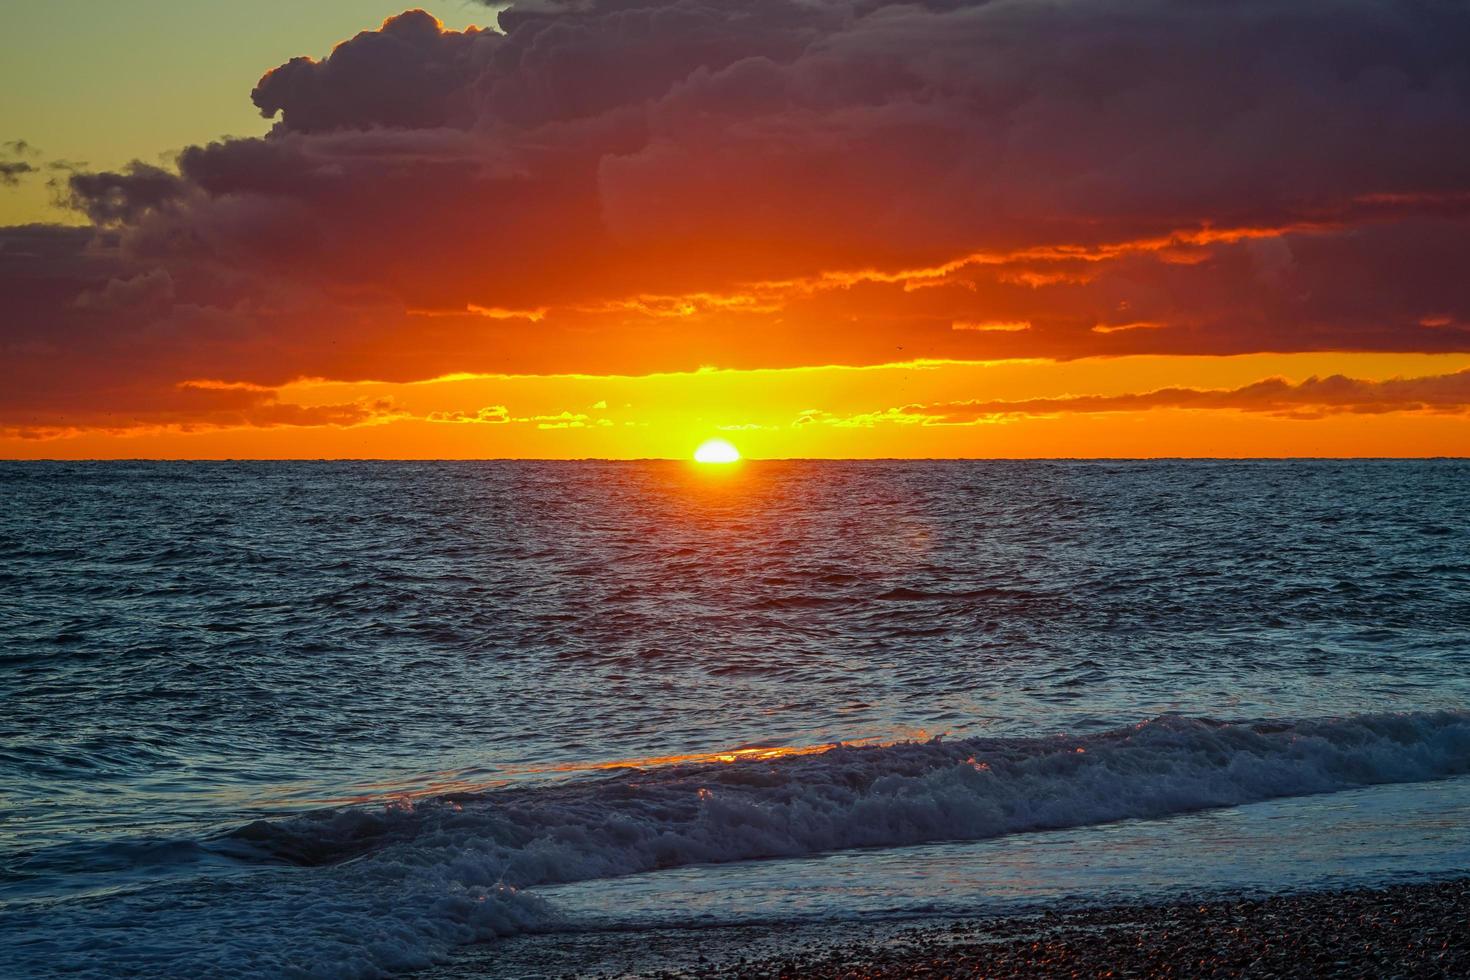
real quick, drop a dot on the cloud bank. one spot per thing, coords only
(671, 183)
(1312, 398)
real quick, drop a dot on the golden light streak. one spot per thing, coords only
(992, 326)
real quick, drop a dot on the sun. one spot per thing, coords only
(716, 451)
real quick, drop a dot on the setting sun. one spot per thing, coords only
(716, 451)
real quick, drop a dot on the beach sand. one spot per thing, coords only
(1411, 930)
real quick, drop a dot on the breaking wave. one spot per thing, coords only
(364, 891)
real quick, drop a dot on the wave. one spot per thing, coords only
(374, 890)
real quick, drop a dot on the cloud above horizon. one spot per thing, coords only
(635, 186)
(1312, 398)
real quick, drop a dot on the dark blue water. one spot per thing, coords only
(313, 701)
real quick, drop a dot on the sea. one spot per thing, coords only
(360, 719)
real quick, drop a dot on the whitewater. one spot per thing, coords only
(345, 720)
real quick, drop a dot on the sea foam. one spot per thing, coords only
(369, 890)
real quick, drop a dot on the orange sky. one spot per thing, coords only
(836, 412)
(815, 229)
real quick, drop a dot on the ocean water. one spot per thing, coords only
(345, 719)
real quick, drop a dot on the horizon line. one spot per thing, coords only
(743, 459)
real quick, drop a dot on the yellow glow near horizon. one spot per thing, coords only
(716, 451)
(799, 412)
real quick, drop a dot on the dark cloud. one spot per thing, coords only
(126, 197)
(11, 171)
(151, 289)
(766, 139)
(408, 73)
(684, 182)
(192, 410)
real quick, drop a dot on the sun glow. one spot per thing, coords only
(716, 451)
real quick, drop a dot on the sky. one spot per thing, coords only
(815, 228)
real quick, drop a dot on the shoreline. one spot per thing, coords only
(1400, 930)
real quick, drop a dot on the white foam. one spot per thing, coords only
(397, 887)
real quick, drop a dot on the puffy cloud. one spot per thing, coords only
(703, 143)
(126, 197)
(409, 73)
(669, 183)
